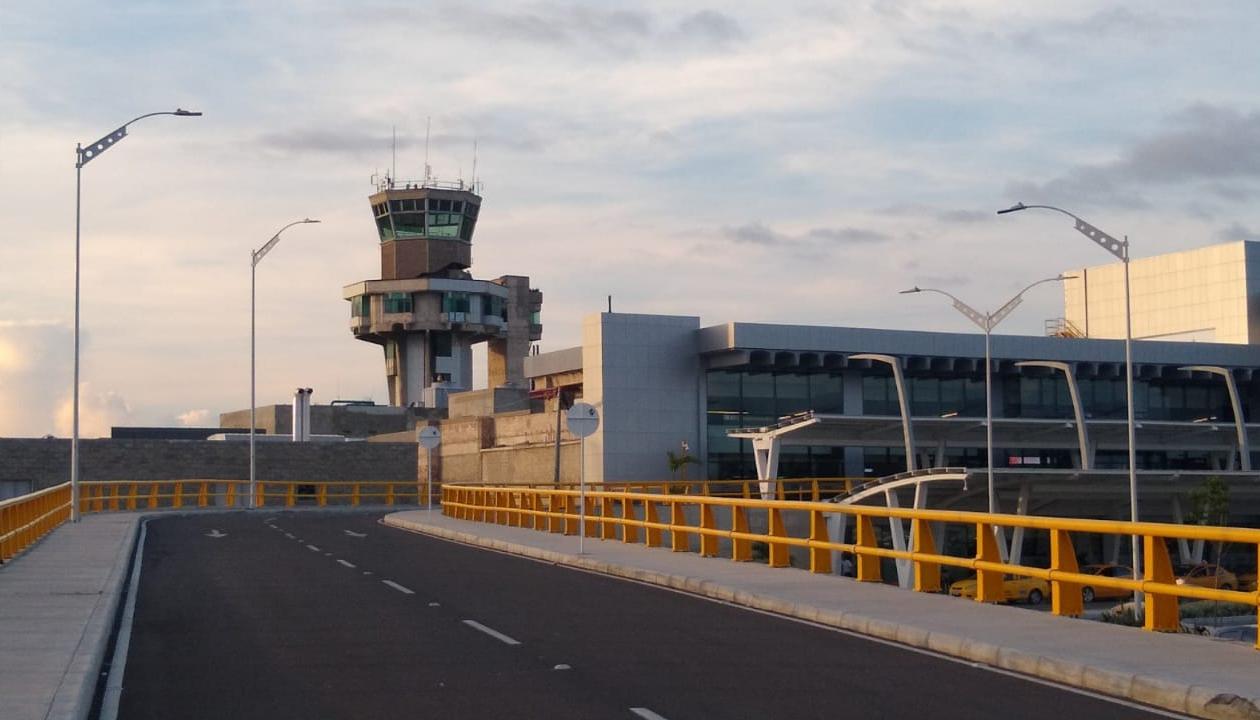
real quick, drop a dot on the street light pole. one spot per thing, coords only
(1119, 249)
(986, 322)
(82, 157)
(256, 256)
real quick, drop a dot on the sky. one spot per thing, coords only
(789, 162)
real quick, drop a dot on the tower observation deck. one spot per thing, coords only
(427, 310)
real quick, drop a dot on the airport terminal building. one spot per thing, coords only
(824, 401)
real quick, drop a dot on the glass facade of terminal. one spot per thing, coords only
(748, 398)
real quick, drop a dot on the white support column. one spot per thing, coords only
(837, 524)
(1017, 536)
(1240, 427)
(920, 503)
(1078, 409)
(905, 569)
(1183, 546)
(903, 401)
(766, 455)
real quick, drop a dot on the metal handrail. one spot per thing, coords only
(554, 510)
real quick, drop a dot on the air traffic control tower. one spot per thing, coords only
(426, 310)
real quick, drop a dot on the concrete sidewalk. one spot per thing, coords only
(1183, 673)
(57, 606)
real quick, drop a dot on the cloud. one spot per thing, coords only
(194, 418)
(710, 27)
(332, 142)
(99, 411)
(1237, 231)
(848, 235)
(617, 31)
(1115, 22)
(756, 233)
(1201, 143)
(34, 370)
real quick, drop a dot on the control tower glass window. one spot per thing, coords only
(360, 306)
(409, 224)
(385, 228)
(444, 224)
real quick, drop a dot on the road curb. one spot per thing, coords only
(73, 698)
(1193, 700)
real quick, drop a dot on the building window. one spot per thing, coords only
(496, 307)
(441, 343)
(409, 224)
(443, 224)
(455, 302)
(361, 306)
(398, 303)
(535, 318)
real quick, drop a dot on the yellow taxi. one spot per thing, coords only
(1208, 575)
(1089, 593)
(1014, 589)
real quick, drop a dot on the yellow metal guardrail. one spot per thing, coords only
(115, 496)
(612, 515)
(27, 518)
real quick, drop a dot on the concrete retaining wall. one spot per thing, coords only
(47, 462)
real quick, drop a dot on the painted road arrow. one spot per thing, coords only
(216, 534)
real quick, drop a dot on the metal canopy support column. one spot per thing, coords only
(1231, 386)
(766, 455)
(1179, 517)
(905, 569)
(1017, 536)
(899, 379)
(1078, 411)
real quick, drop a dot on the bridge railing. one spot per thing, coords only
(632, 516)
(125, 495)
(27, 518)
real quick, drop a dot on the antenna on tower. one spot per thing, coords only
(393, 161)
(428, 172)
(474, 172)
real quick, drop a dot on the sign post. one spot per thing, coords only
(430, 437)
(583, 420)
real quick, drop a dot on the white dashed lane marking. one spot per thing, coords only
(399, 588)
(312, 548)
(343, 562)
(646, 714)
(492, 633)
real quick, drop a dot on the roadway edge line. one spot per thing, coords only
(112, 696)
(1196, 700)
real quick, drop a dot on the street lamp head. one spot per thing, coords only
(186, 113)
(1068, 277)
(1016, 207)
(308, 220)
(914, 289)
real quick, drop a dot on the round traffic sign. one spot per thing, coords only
(583, 419)
(429, 437)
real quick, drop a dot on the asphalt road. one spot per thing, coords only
(302, 615)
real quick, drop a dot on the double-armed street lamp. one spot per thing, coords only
(83, 156)
(986, 322)
(255, 257)
(1120, 249)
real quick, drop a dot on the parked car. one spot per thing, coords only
(1089, 593)
(1208, 575)
(1244, 633)
(1014, 588)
